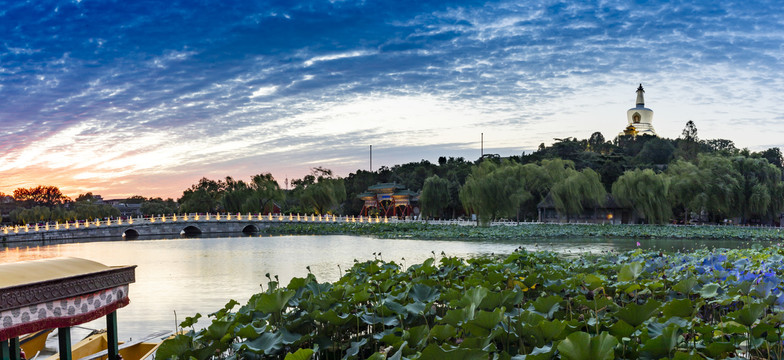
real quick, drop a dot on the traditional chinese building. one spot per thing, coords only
(389, 199)
(640, 118)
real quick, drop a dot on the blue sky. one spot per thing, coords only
(145, 97)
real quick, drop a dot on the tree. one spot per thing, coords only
(722, 186)
(596, 142)
(722, 146)
(435, 196)
(656, 151)
(493, 191)
(686, 187)
(646, 193)
(40, 195)
(264, 191)
(320, 191)
(774, 156)
(688, 144)
(202, 197)
(759, 188)
(580, 190)
(158, 206)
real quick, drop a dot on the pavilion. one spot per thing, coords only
(390, 199)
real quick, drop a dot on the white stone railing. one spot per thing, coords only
(272, 218)
(118, 222)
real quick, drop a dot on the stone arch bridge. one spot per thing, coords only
(166, 225)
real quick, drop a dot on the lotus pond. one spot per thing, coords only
(704, 304)
(420, 230)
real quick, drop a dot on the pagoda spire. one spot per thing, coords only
(640, 100)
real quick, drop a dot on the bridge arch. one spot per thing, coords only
(250, 229)
(130, 234)
(190, 230)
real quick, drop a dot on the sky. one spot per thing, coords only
(123, 98)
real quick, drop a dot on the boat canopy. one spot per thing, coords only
(59, 293)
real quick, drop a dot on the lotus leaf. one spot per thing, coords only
(635, 314)
(423, 293)
(749, 314)
(630, 272)
(435, 352)
(547, 305)
(300, 354)
(581, 346)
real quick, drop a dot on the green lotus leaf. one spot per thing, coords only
(301, 354)
(354, 349)
(443, 332)
(274, 302)
(686, 285)
(547, 305)
(538, 353)
(709, 290)
(593, 282)
(267, 343)
(333, 318)
(765, 331)
(423, 293)
(663, 345)
(749, 314)
(732, 327)
(435, 352)
(551, 330)
(634, 314)
(360, 295)
(581, 346)
(218, 329)
(484, 322)
(719, 350)
(372, 319)
(630, 272)
(177, 347)
(417, 336)
(249, 331)
(416, 308)
(682, 308)
(621, 329)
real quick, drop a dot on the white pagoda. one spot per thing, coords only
(639, 117)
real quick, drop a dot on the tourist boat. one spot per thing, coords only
(94, 347)
(32, 344)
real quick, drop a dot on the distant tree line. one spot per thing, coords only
(659, 179)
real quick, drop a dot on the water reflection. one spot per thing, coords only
(190, 275)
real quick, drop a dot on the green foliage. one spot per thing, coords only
(320, 193)
(493, 191)
(578, 191)
(532, 305)
(645, 192)
(434, 197)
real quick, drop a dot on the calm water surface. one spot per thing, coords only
(190, 275)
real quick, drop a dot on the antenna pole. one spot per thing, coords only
(371, 158)
(482, 146)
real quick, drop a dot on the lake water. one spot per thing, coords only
(190, 275)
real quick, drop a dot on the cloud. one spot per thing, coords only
(115, 94)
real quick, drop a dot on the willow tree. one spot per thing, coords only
(323, 195)
(578, 191)
(687, 189)
(722, 186)
(760, 188)
(264, 191)
(646, 193)
(435, 196)
(492, 191)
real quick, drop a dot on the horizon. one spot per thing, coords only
(146, 98)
